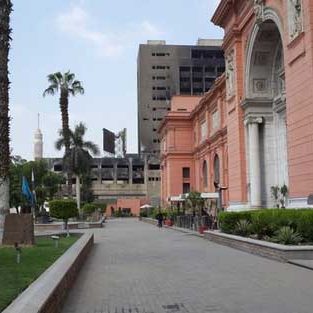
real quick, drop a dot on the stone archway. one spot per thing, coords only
(265, 112)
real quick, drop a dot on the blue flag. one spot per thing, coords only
(26, 191)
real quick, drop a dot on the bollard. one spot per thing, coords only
(18, 252)
(56, 240)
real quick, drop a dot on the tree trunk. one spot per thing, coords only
(78, 194)
(66, 228)
(66, 134)
(4, 203)
(5, 31)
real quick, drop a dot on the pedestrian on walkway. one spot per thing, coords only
(159, 217)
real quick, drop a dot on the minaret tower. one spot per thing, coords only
(38, 142)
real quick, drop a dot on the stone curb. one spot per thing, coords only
(47, 293)
(270, 250)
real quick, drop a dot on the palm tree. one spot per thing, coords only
(78, 156)
(5, 37)
(66, 85)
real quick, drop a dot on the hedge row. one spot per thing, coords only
(268, 221)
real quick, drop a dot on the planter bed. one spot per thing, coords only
(263, 248)
(47, 293)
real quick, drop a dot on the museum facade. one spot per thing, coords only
(254, 129)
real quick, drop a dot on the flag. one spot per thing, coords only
(26, 191)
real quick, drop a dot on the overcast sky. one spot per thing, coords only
(98, 41)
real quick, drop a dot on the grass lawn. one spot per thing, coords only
(14, 278)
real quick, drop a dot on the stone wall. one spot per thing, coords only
(267, 249)
(47, 293)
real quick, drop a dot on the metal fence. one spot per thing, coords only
(193, 222)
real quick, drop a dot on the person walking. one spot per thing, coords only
(159, 217)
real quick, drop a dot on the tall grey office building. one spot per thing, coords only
(167, 70)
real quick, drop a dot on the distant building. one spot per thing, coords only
(167, 70)
(38, 143)
(114, 179)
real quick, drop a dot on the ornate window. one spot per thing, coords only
(203, 130)
(215, 120)
(205, 174)
(216, 169)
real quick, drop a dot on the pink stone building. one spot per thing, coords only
(254, 129)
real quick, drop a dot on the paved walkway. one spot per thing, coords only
(136, 268)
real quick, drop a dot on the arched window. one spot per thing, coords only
(205, 174)
(216, 169)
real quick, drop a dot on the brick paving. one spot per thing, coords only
(136, 268)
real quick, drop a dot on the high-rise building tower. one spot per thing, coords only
(38, 143)
(167, 70)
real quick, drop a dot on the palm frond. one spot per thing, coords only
(60, 143)
(53, 79)
(80, 129)
(77, 88)
(59, 77)
(69, 77)
(49, 91)
(92, 147)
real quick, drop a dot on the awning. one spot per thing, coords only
(209, 195)
(176, 199)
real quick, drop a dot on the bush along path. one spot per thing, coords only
(276, 225)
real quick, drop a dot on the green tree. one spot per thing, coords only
(46, 184)
(196, 202)
(86, 188)
(16, 174)
(52, 183)
(5, 38)
(66, 85)
(78, 156)
(63, 209)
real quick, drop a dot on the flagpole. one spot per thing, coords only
(33, 192)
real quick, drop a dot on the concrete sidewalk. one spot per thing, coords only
(137, 268)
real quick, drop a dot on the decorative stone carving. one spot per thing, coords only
(258, 6)
(259, 85)
(230, 74)
(253, 120)
(295, 18)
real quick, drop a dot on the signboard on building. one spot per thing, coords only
(108, 141)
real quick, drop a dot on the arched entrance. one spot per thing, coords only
(265, 112)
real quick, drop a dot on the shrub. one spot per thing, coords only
(63, 209)
(228, 220)
(262, 224)
(143, 214)
(243, 228)
(305, 225)
(266, 222)
(287, 236)
(89, 208)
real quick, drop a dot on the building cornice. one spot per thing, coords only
(218, 135)
(213, 92)
(221, 12)
(180, 116)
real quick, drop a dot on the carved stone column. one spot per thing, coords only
(254, 159)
